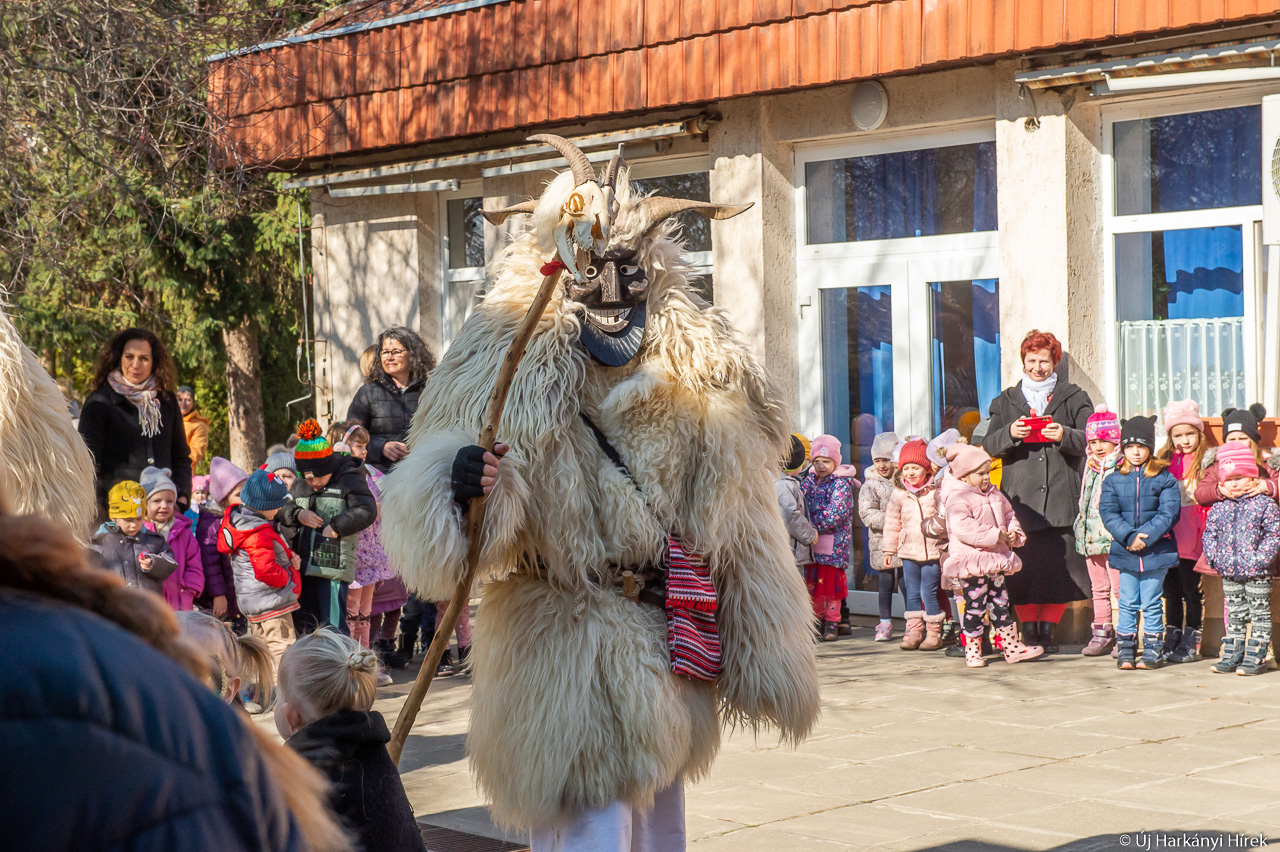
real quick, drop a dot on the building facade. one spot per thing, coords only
(931, 179)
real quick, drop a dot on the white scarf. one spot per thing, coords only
(1037, 393)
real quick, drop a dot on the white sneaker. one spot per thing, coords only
(384, 679)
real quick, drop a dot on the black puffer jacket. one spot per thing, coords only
(108, 744)
(387, 412)
(109, 425)
(350, 747)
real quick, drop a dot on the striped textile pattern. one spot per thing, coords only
(692, 635)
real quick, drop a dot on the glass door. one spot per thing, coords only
(899, 299)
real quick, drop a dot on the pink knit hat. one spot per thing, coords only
(1103, 425)
(1236, 459)
(1182, 412)
(966, 459)
(827, 446)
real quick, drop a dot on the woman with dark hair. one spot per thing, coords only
(386, 402)
(1037, 430)
(131, 419)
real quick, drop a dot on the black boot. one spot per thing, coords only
(1045, 634)
(446, 667)
(405, 649)
(464, 658)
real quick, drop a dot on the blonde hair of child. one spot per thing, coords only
(229, 655)
(1195, 470)
(327, 672)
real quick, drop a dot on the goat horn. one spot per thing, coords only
(657, 208)
(581, 167)
(497, 217)
(616, 162)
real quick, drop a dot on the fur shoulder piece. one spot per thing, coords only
(1210, 456)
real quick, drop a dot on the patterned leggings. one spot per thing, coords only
(983, 594)
(1248, 600)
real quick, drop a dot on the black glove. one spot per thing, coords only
(468, 468)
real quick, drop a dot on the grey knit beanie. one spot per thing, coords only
(280, 461)
(882, 445)
(153, 479)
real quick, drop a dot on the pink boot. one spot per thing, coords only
(1013, 648)
(915, 630)
(973, 652)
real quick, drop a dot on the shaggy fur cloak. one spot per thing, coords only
(43, 458)
(574, 704)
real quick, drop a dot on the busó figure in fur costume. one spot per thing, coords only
(42, 456)
(579, 728)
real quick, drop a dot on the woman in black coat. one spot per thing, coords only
(385, 404)
(1041, 478)
(131, 419)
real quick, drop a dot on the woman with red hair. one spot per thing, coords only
(1037, 431)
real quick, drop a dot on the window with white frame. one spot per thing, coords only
(683, 177)
(1183, 234)
(463, 258)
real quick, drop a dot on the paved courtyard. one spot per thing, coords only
(914, 752)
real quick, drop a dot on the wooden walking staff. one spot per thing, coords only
(475, 512)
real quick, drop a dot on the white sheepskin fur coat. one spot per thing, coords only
(42, 456)
(575, 705)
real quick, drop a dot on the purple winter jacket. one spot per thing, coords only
(217, 566)
(183, 586)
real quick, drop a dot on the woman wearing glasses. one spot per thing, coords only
(386, 402)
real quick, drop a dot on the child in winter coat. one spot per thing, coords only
(325, 712)
(1239, 425)
(982, 532)
(1139, 505)
(1241, 541)
(127, 547)
(1184, 449)
(265, 569)
(183, 585)
(873, 500)
(199, 496)
(331, 504)
(831, 501)
(1102, 431)
(795, 514)
(913, 503)
(234, 661)
(219, 595)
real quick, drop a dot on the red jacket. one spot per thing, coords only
(267, 584)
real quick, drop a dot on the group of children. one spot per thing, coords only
(280, 552)
(1151, 521)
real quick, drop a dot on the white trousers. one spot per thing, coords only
(618, 827)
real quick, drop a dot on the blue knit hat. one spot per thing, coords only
(263, 492)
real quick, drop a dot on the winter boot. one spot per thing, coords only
(1046, 639)
(950, 632)
(1172, 639)
(1013, 648)
(1188, 650)
(1126, 650)
(830, 631)
(1255, 657)
(933, 632)
(959, 649)
(973, 652)
(914, 634)
(405, 648)
(446, 667)
(1103, 638)
(464, 660)
(1152, 651)
(1232, 655)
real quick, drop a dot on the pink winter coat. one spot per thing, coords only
(184, 585)
(975, 520)
(904, 525)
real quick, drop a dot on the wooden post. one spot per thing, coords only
(475, 519)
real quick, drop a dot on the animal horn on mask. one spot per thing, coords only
(657, 209)
(497, 217)
(578, 162)
(586, 215)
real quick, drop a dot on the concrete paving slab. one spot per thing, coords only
(914, 752)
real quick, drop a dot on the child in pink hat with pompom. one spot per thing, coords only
(1093, 542)
(829, 495)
